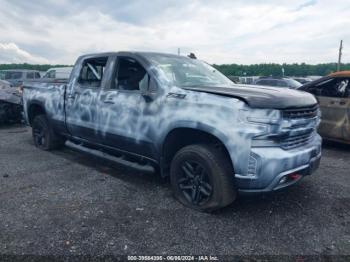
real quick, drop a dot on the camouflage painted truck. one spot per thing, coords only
(182, 118)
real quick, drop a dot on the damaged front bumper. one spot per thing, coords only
(275, 168)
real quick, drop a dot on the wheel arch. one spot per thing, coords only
(181, 136)
(35, 108)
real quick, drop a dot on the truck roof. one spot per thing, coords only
(128, 53)
(341, 74)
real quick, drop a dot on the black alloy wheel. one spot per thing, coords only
(195, 183)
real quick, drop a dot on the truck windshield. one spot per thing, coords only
(186, 72)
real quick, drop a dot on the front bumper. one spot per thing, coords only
(274, 163)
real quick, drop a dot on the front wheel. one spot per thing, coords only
(44, 137)
(202, 177)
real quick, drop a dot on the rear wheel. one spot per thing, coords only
(202, 177)
(44, 137)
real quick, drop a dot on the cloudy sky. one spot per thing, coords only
(232, 31)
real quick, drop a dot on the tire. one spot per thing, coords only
(43, 135)
(202, 178)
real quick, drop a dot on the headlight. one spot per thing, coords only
(263, 120)
(261, 116)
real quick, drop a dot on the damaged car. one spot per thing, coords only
(333, 94)
(10, 103)
(180, 117)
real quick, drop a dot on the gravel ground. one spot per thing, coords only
(64, 202)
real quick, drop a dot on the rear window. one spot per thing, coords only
(91, 73)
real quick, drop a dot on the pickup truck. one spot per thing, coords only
(182, 118)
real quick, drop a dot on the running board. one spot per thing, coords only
(147, 168)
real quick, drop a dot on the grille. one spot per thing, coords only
(296, 141)
(305, 112)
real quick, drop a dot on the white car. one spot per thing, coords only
(58, 73)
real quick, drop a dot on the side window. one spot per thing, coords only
(130, 75)
(271, 82)
(91, 73)
(347, 89)
(336, 87)
(13, 75)
(343, 88)
(282, 83)
(262, 82)
(37, 75)
(52, 74)
(30, 75)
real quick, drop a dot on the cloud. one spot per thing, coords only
(217, 31)
(11, 53)
(306, 4)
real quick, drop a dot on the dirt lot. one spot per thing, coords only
(63, 202)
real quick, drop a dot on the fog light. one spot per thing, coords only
(283, 180)
(294, 176)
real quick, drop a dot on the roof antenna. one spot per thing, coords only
(192, 55)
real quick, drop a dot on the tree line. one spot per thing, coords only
(276, 69)
(29, 66)
(234, 69)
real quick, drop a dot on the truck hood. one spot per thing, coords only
(262, 97)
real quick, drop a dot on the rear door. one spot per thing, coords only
(82, 99)
(333, 95)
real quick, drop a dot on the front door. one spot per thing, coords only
(125, 115)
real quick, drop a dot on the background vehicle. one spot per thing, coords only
(302, 80)
(248, 80)
(333, 94)
(18, 76)
(58, 73)
(180, 116)
(278, 82)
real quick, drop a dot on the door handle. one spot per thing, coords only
(108, 101)
(342, 103)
